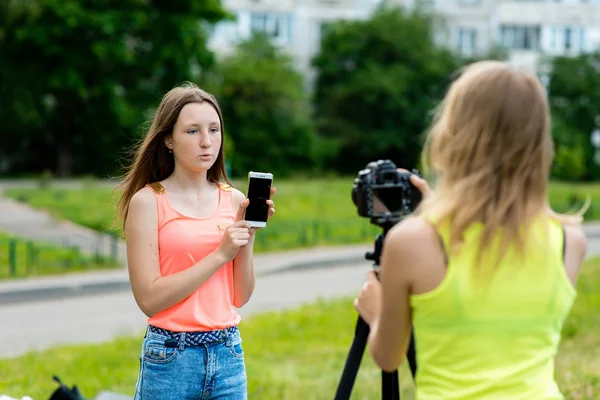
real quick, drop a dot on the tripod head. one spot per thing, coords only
(386, 222)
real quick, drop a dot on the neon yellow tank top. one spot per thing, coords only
(496, 341)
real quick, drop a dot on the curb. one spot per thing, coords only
(78, 285)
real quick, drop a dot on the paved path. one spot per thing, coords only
(78, 308)
(97, 318)
(28, 222)
(83, 284)
(22, 220)
(41, 312)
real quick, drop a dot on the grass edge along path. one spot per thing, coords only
(21, 257)
(309, 212)
(298, 354)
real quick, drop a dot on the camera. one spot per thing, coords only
(385, 195)
(381, 191)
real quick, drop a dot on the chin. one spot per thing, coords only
(197, 166)
(201, 165)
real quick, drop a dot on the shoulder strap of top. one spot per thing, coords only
(157, 188)
(225, 187)
(564, 243)
(558, 237)
(227, 193)
(441, 234)
(161, 201)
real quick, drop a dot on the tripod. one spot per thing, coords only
(390, 389)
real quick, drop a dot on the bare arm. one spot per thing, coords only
(390, 331)
(575, 251)
(153, 292)
(244, 279)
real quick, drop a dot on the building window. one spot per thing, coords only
(279, 26)
(520, 37)
(568, 38)
(553, 38)
(582, 40)
(467, 38)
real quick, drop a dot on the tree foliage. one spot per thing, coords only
(80, 75)
(378, 80)
(266, 110)
(574, 93)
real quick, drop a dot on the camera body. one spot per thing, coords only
(381, 191)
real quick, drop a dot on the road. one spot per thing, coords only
(97, 318)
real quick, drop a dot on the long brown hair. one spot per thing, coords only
(152, 161)
(490, 151)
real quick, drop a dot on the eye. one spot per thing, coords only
(214, 130)
(192, 131)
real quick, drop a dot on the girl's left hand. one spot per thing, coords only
(271, 209)
(367, 302)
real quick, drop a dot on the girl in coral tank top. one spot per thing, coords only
(189, 252)
(484, 271)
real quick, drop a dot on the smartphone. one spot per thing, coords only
(259, 191)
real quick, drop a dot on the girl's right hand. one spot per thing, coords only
(418, 182)
(421, 184)
(235, 236)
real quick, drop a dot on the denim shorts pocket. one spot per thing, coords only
(156, 352)
(236, 347)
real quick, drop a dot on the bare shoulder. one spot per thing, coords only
(413, 249)
(143, 199)
(414, 240)
(576, 239)
(142, 211)
(413, 231)
(237, 197)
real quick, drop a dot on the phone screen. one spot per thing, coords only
(259, 191)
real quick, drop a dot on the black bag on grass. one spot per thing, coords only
(64, 393)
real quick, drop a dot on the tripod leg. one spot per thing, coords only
(411, 355)
(390, 387)
(357, 350)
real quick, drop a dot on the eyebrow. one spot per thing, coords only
(199, 125)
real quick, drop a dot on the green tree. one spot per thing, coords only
(377, 82)
(266, 110)
(574, 94)
(569, 151)
(80, 75)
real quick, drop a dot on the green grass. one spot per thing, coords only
(309, 212)
(92, 207)
(20, 257)
(562, 195)
(298, 354)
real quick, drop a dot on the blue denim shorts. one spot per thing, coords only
(173, 367)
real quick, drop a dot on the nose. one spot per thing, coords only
(205, 140)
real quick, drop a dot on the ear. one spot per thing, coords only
(168, 143)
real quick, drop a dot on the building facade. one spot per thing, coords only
(294, 25)
(528, 29)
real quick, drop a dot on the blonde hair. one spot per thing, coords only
(490, 150)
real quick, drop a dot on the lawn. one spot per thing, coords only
(298, 354)
(309, 212)
(20, 257)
